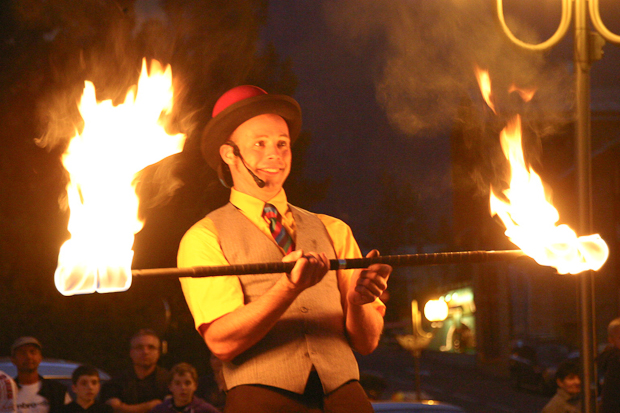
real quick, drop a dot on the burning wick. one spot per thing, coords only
(102, 161)
(528, 215)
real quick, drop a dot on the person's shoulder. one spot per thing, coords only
(163, 407)
(100, 407)
(555, 405)
(200, 405)
(52, 384)
(333, 223)
(72, 407)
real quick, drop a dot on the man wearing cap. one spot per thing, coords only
(35, 394)
(285, 339)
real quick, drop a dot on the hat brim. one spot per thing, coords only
(219, 128)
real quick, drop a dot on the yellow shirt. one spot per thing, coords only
(209, 298)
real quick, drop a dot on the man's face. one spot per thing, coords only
(27, 358)
(182, 388)
(87, 388)
(571, 384)
(144, 351)
(265, 145)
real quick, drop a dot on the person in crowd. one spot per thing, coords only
(183, 385)
(8, 394)
(285, 339)
(609, 368)
(145, 384)
(567, 398)
(86, 386)
(35, 394)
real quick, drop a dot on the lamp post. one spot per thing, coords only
(587, 49)
(434, 310)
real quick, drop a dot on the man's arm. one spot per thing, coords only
(120, 407)
(237, 331)
(363, 322)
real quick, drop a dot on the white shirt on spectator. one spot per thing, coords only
(8, 394)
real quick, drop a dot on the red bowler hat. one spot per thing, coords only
(238, 105)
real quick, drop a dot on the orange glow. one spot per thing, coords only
(103, 160)
(530, 218)
(526, 94)
(484, 81)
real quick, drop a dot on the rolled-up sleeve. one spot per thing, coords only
(208, 298)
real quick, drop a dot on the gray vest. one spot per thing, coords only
(311, 331)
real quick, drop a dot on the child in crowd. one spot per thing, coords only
(86, 386)
(183, 385)
(567, 399)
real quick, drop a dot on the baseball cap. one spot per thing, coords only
(22, 341)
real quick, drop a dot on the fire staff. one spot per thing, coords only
(285, 339)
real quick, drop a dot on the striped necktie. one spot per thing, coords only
(278, 232)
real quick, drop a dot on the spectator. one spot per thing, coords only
(86, 386)
(183, 385)
(145, 385)
(567, 398)
(8, 394)
(35, 394)
(609, 367)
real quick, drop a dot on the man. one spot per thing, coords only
(285, 339)
(567, 397)
(35, 394)
(143, 386)
(609, 368)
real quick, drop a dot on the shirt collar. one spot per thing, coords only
(254, 206)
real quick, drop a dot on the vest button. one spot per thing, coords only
(304, 310)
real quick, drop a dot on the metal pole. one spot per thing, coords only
(437, 258)
(584, 196)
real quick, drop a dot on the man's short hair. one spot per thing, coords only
(613, 326)
(144, 332)
(183, 368)
(567, 368)
(84, 370)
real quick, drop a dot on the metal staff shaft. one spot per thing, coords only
(461, 257)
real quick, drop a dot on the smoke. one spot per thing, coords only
(432, 49)
(211, 47)
(426, 52)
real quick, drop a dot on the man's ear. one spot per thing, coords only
(226, 152)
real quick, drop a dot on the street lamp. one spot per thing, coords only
(434, 311)
(587, 49)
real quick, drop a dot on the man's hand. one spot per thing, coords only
(366, 285)
(309, 269)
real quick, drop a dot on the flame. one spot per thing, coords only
(484, 81)
(115, 144)
(530, 218)
(526, 94)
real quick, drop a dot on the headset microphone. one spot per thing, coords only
(237, 153)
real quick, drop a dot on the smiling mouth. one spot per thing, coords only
(272, 170)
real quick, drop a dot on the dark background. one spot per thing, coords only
(382, 86)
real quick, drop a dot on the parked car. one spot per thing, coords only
(426, 406)
(533, 364)
(55, 369)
